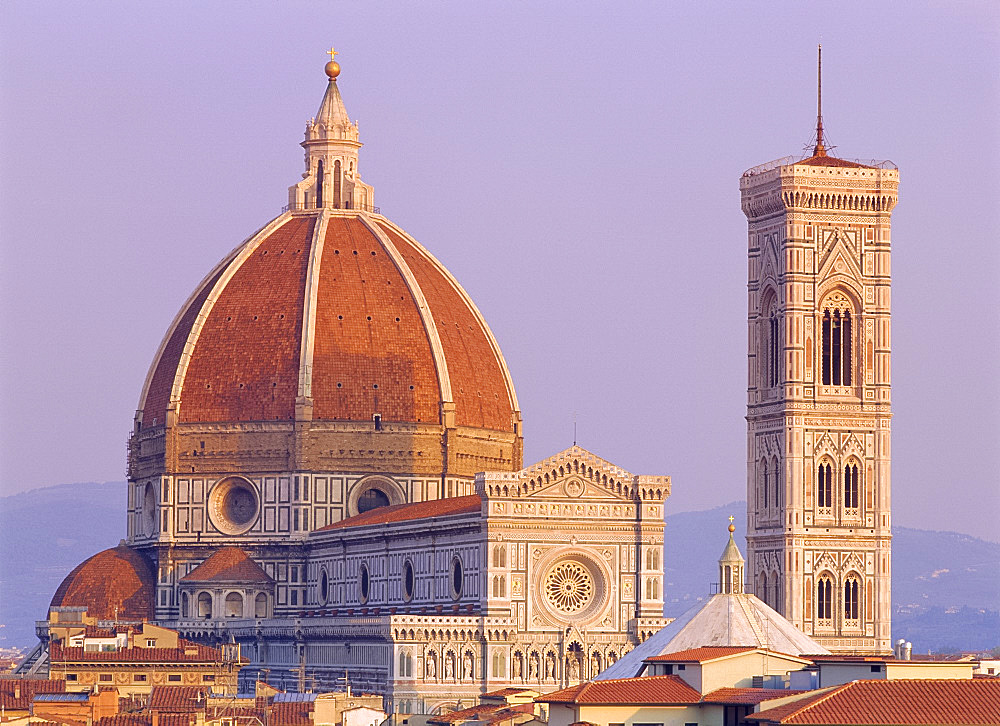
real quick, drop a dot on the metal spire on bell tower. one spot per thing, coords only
(819, 149)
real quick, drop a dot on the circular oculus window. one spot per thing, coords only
(233, 505)
(569, 587)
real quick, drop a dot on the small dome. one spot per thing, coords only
(117, 583)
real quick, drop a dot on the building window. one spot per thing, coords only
(71, 677)
(824, 485)
(408, 580)
(174, 677)
(364, 584)
(324, 588)
(105, 677)
(767, 485)
(204, 605)
(851, 497)
(457, 578)
(208, 678)
(851, 599)
(234, 605)
(772, 358)
(139, 677)
(372, 499)
(836, 347)
(150, 643)
(824, 599)
(260, 606)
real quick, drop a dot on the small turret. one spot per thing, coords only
(731, 566)
(331, 179)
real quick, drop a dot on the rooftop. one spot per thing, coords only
(875, 703)
(468, 504)
(650, 690)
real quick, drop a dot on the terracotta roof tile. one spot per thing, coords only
(294, 713)
(832, 161)
(502, 692)
(228, 564)
(478, 383)
(746, 696)
(372, 354)
(125, 719)
(700, 655)
(245, 364)
(405, 512)
(483, 714)
(904, 702)
(186, 652)
(178, 699)
(648, 690)
(16, 693)
(116, 583)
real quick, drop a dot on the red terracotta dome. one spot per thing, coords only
(341, 306)
(117, 583)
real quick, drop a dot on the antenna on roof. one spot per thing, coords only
(819, 149)
(574, 428)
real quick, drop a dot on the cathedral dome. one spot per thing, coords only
(338, 306)
(322, 330)
(116, 584)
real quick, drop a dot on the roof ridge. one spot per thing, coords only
(826, 696)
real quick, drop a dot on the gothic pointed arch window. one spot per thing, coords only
(770, 341)
(776, 478)
(824, 485)
(837, 340)
(824, 600)
(852, 602)
(766, 483)
(320, 177)
(852, 488)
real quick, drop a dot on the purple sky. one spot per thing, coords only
(576, 165)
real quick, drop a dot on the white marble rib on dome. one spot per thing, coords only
(726, 619)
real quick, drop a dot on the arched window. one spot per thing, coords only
(503, 586)
(772, 587)
(824, 598)
(503, 556)
(656, 559)
(499, 664)
(405, 665)
(204, 605)
(372, 499)
(767, 484)
(319, 183)
(234, 605)
(837, 346)
(260, 606)
(852, 592)
(324, 588)
(336, 184)
(851, 489)
(776, 478)
(824, 485)
(773, 351)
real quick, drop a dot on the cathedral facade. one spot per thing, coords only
(818, 397)
(325, 466)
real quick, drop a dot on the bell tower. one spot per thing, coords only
(818, 393)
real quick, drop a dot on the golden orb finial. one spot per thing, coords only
(333, 67)
(732, 527)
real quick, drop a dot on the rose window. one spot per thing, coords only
(569, 586)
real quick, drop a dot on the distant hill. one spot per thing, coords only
(45, 533)
(946, 595)
(945, 590)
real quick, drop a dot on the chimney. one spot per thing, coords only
(156, 718)
(907, 650)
